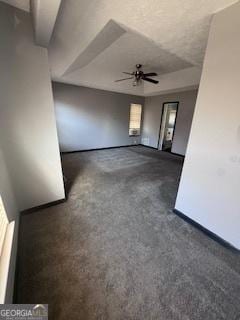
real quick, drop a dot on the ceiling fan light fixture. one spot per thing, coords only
(139, 75)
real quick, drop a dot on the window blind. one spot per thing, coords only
(3, 225)
(135, 119)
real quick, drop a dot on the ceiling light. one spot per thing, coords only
(138, 76)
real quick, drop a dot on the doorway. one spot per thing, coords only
(167, 126)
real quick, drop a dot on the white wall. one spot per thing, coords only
(90, 119)
(152, 119)
(10, 205)
(210, 183)
(27, 121)
(44, 14)
(6, 190)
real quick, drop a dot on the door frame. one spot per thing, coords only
(160, 128)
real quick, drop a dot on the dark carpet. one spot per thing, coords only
(116, 251)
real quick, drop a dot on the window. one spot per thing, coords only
(3, 225)
(135, 119)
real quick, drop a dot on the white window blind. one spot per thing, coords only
(3, 225)
(135, 119)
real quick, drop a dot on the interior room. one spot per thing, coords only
(120, 159)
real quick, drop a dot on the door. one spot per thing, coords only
(168, 121)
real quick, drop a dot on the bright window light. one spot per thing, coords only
(135, 119)
(3, 225)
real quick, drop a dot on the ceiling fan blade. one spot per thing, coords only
(123, 79)
(150, 80)
(151, 74)
(130, 73)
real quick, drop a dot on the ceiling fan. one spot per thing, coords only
(139, 75)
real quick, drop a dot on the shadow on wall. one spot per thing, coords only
(32, 172)
(92, 119)
(70, 172)
(27, 123)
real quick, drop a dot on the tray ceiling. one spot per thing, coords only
(95, 40)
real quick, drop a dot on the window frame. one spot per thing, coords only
(4, 222)
(140, 123)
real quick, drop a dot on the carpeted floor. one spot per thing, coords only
(115, 250)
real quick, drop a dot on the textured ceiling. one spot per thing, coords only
(127, 48)
(94, 40)
(122, 55)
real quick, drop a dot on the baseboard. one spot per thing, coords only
(43, 206)
(206, 231)
(177, 154)
(86, 150)
(150, 147)
(116, 147)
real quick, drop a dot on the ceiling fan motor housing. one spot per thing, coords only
(139, 75)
